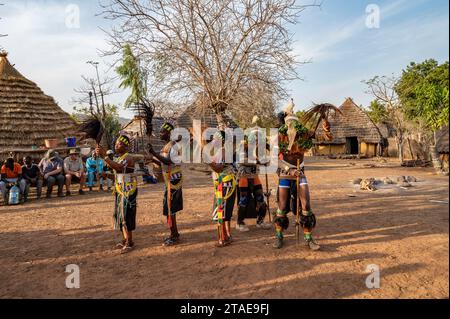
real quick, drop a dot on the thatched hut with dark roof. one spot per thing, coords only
(27, 116)
(353, 133)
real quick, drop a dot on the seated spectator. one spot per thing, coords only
(11, 174)
(108, 172)
(147, 177)
(94, 169)
(74, 170)
(32, 176)
(51, 167)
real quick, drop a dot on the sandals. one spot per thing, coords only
(127, 248)
(171, 241)
(124, 246)
(224, 243)
(119, 246)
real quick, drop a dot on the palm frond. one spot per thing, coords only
(146, 111)
(317, 113)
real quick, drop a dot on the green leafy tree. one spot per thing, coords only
(423, 90)
(135, 78)
(377, 112)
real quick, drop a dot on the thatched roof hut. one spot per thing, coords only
(137, 130)
(353, 132)
(27, 115)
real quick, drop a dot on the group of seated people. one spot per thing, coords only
(53, 170)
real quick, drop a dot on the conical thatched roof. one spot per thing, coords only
(27, 115)
(353, 122)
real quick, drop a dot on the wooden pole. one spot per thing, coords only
(268, 197)
(169, 199)
(297, 223)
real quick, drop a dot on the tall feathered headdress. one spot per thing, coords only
(146, 111)
(92, 128)
(317, 113)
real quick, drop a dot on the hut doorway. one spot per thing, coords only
(352, 145)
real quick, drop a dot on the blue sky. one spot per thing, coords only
(341, 50)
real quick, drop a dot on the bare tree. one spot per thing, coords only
(214, 48)
(90, 100)
(89, 93)
(382, 89)
(168, 110)
(255, 100)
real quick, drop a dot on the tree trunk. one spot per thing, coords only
(410, 148)
(437, 164)
(400, 148)
(220, 121)
(219, 109)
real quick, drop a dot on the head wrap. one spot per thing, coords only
(124, 139)
(167, 126)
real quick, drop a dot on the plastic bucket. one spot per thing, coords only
(71, 141)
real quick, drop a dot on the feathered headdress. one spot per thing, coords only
(146, 111)
(317, 113)
(92, 128)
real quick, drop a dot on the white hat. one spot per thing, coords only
(290, 114)
(289, 108)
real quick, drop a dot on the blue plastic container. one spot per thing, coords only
(71, 141)
(14, 193)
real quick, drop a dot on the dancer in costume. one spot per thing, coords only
(224, 190)
(294, 140)
(173, 178)
(126, 190)
(250, 187)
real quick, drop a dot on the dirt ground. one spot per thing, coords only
(402, 231)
